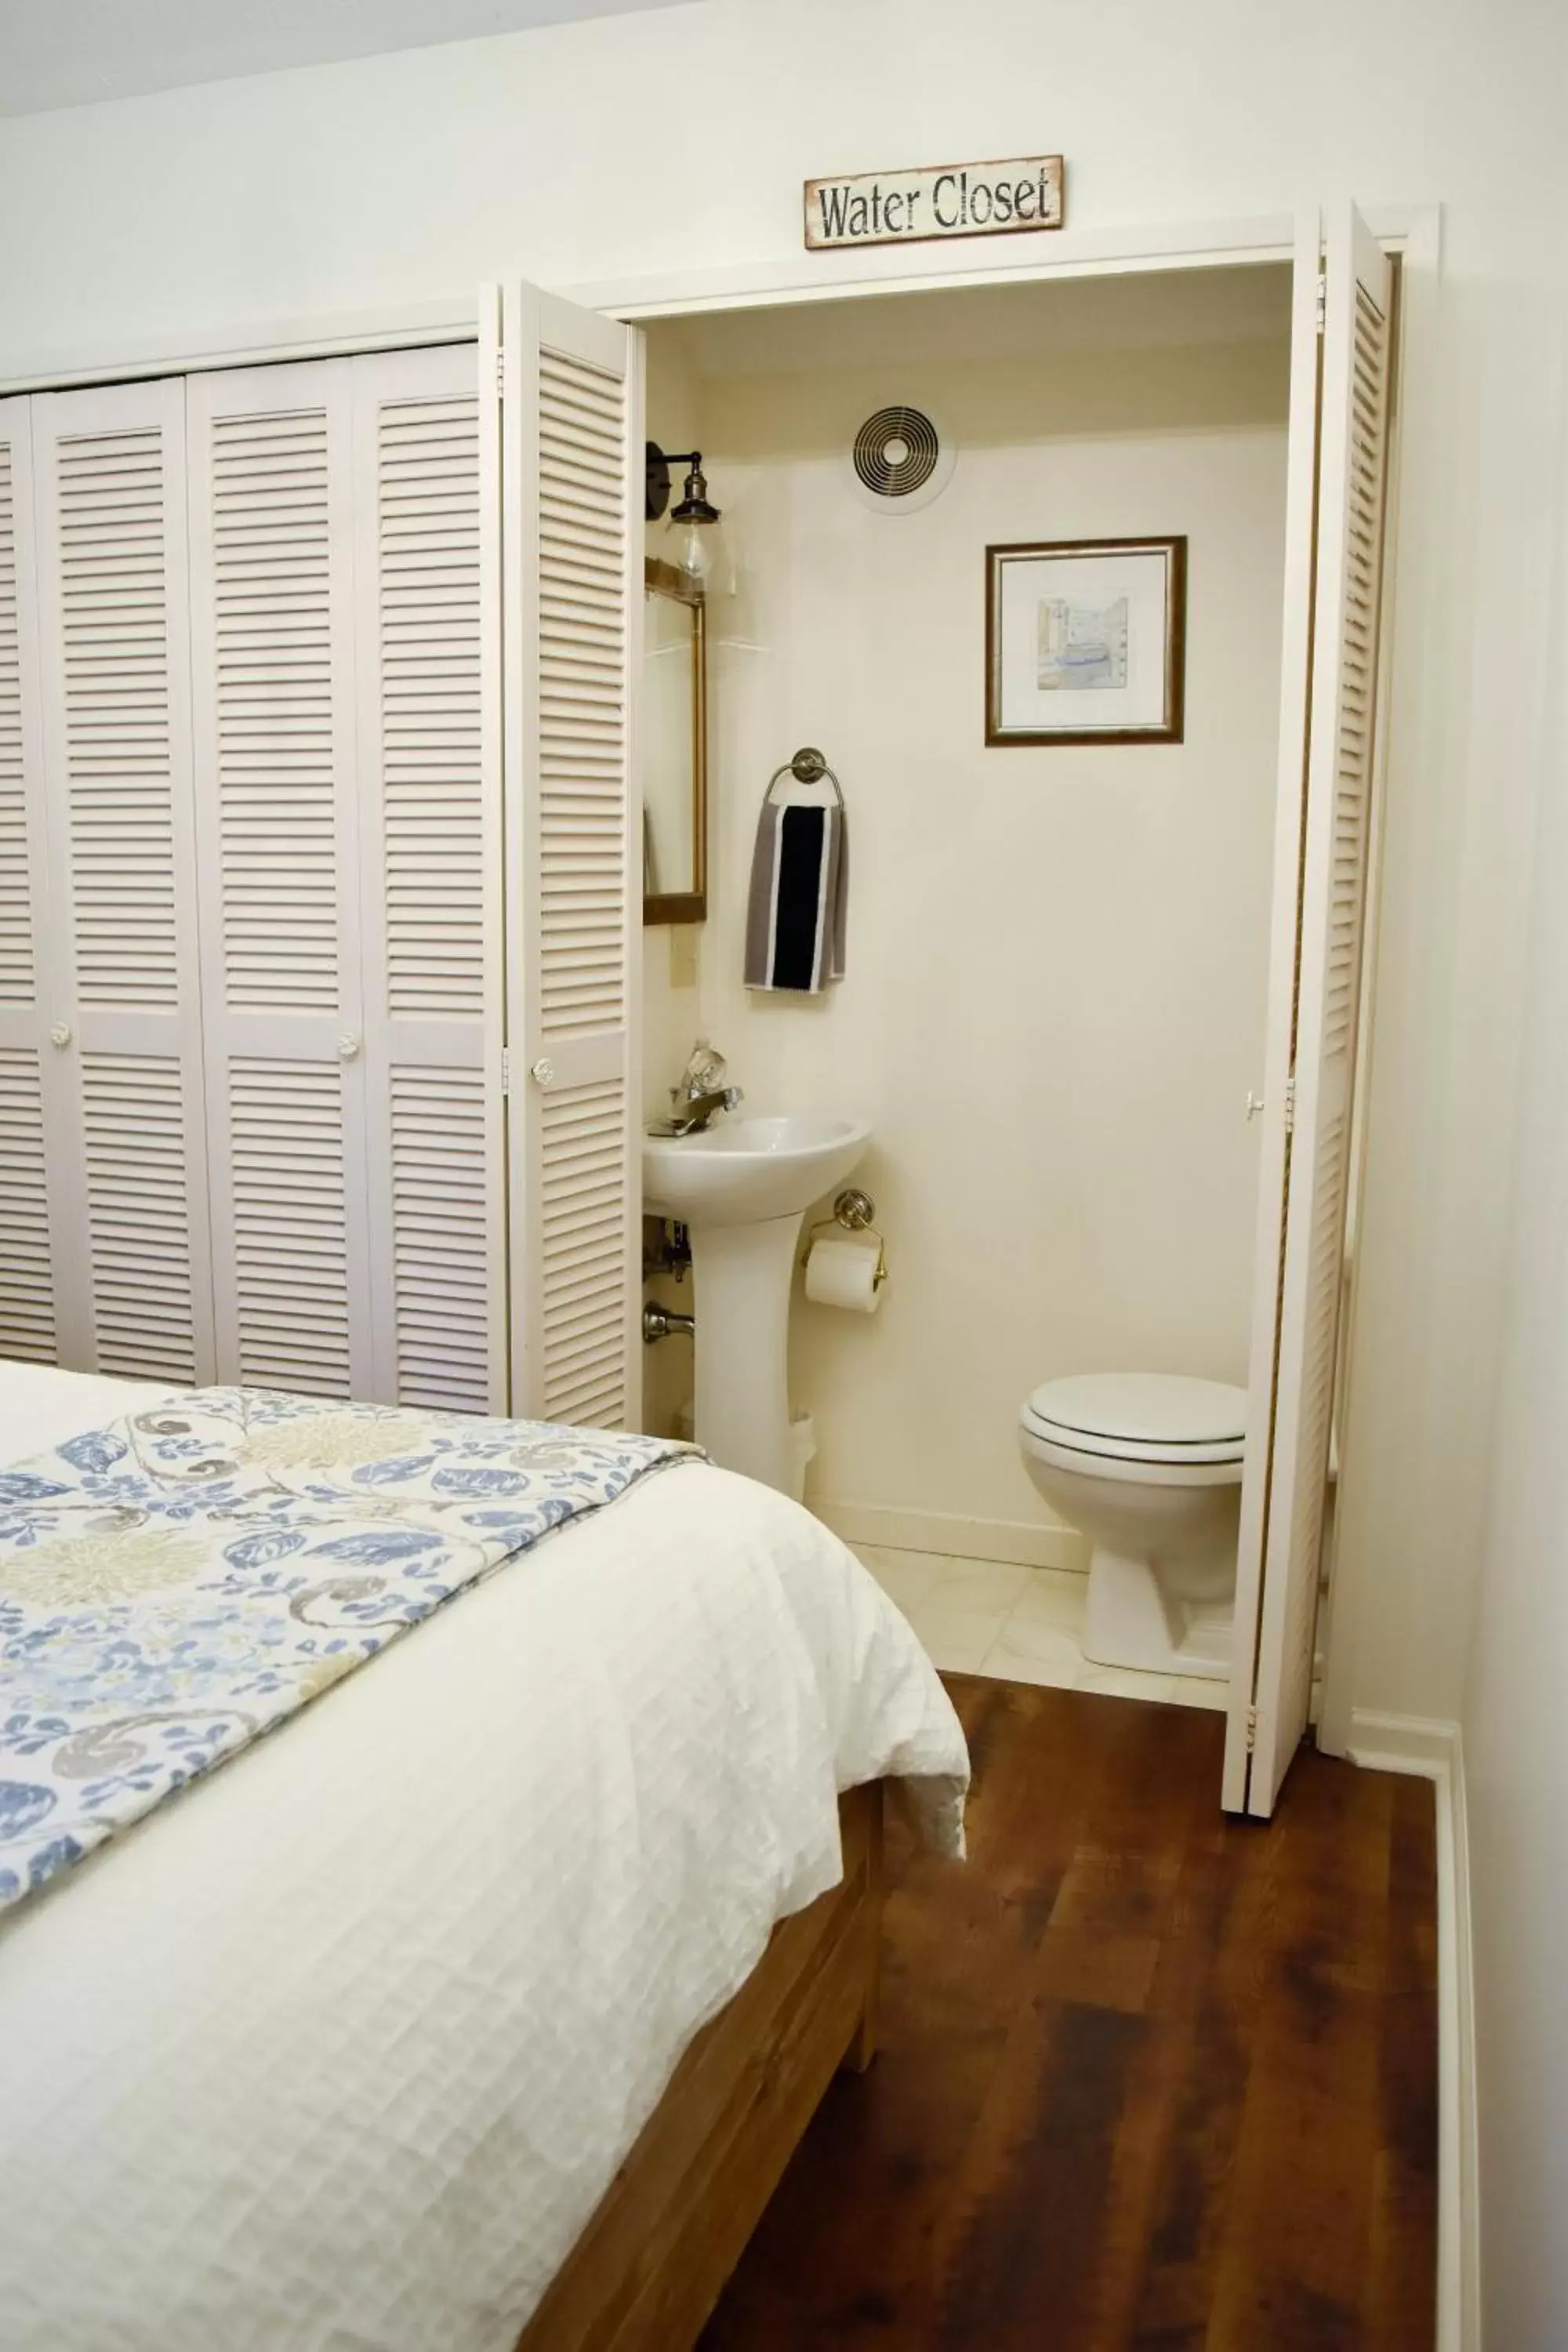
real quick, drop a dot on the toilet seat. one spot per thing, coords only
(1131, 1417)
(1054, 1448)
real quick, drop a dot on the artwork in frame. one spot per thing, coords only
(1086, 641)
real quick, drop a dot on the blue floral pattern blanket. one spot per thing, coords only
(173, 1586)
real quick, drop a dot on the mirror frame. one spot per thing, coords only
(686, 905)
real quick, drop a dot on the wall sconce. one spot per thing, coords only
(693, 521)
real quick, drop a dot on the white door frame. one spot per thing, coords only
(833, 277)
(1413, 231)
(847, 276)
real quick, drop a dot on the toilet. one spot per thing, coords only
(1148, 1465)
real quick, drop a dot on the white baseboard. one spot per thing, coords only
(1409, 1743)
(1028, 1543)
(1424, 1745)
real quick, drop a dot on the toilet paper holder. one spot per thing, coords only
(856, 1211)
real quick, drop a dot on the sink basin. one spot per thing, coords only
(741, 1171)
(741, 1190)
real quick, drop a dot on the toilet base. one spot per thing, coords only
(1132, 1621)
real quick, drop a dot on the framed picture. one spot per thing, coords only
(1086, 641)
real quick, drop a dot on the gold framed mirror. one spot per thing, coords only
(674, 734)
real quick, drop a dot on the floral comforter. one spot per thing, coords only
(176, 1583)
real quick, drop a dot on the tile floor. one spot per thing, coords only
(1021, 1624)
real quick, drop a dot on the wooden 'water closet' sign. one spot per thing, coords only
(935, 200)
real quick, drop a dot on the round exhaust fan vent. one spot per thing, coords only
(901, 458)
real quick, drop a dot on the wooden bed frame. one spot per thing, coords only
(650, 2265)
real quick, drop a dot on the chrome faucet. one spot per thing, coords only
(699, 1094)
(693, 1114)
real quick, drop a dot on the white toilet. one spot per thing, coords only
(1148, 1465)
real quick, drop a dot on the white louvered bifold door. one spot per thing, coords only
(271, 482)
(33, 1314)
(431, 863)
(129, 1190)
(570, 473)
(1334, 548)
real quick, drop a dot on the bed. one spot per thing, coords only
(480, 2004)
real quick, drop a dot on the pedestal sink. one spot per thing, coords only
(741, 1189)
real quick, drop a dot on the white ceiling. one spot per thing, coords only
(73, 52)
(1139, 311)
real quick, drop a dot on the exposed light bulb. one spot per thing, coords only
(694, 549)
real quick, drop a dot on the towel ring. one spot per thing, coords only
(807, 767)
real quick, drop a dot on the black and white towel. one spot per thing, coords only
(799, 899)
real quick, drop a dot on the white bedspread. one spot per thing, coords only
(340, 2048)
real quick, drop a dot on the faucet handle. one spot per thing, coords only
(704, 1071)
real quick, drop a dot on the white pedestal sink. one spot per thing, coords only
(741, 1190)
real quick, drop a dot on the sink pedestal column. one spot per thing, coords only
(741, 1278)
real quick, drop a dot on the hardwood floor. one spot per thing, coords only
(1148, 2078)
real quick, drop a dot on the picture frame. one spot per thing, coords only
(1085, 642)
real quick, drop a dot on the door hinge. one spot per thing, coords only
(506, 1069)
(1323, 307)
(1252, 1730)
(1290, 1105)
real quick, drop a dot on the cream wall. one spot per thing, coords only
(672, 394)
(574, 156)
(670, 1008)
(1515, 1719)
(1054, 1003)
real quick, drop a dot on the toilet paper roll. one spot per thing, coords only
(844, 1274)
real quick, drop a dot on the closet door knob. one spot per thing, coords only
(347, 1046)
(60, 1034)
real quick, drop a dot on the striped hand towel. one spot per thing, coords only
(799, 899)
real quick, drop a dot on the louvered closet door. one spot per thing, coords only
(431, 865)
(570, 446)
(271, 532)
(35, 1315)
(1326, 775)
(129, 1201)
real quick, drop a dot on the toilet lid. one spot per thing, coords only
(1143, 1416)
